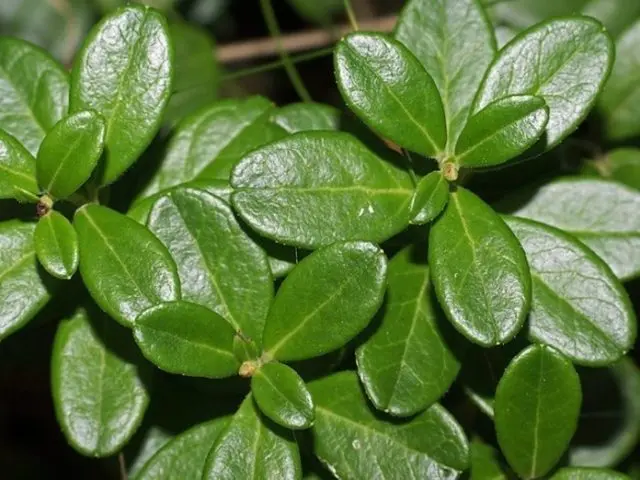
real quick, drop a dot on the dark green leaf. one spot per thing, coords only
(124, 266)
(621, 165)
(588, 474)
(219, 266)
(484, 463)
(354, 442)
(501, 131)
(386, 86)
(479, 271)
(406, 365)
(317, 12)
(302, 117)
(536, 410)
(56, 245)
(17, 169)
(325, 301)
(354, 196)
(430, 198)
(565, 61)
(69, 153)
(127, 81)
(282, 396)
(98, 393)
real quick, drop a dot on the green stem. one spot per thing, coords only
(351, 15)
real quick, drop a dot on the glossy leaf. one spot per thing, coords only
(34, 92)
(127, 81)
(566, 61)
(17, 168)
(325, 301)
(251, 449)
(430, 198)
(123, 265)
(501, 131)
(56, 245)
(354, 196)
(24, 288)
(303, 117)
(388, 88)
(186, 338)
(282, 396)
(536, 410)
(479, 271)
(588, 474)
(219, 266)
(69, 153)
(455, 43)
(621, 165)
(578, 306)
(98, 392)
(407, 365)
(484, 463)
(353, 442)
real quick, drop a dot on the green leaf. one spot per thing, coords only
(388, 88)
(406, 365)
(219, 266)
(96, 380)
(455, 43)
(69, 153)
(17, 168)
(251, 449)
(325, 301)
(302, 117)
(282, 396)
(578, 306)
(588, 474)
(479, 271)
(536, 410)
(56, 245)
(354, 442)
(501, 131)
(317, 12)
(603, 215)
(565, 61)
(619, 101)
(484, 463)
(184, 457)
(123, 265)
(355, 196)
(127, 81)
(35, 92)
(24, 290)
(621, 165)
(430, 198)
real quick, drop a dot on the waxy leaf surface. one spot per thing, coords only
(302, 117)
(430, 198)
(584, 473)
(56, 244)
(484, 463)
(17, 169)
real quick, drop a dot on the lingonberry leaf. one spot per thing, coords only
(219, 265)
(283, 396)
(56, 244)
(479, 271)
(430, 198)
(407, 364)
(69, 153)
(388, 88)
(566, 61)
(583, 473)
(35, 92)
(325, 301)
(187, 338)
(484, 462)
(127, 81)
(501, 131)
(621, 165)
(348, 436)
(454, 41)
(536, 410)
(98, 383)
(355, 195)
(123, 265)
(252, 449)
(17, 169)
(303, 117)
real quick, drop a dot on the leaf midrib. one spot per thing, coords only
(189, 341)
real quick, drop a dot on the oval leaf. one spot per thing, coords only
(386, 86)
(325, 301)
(219, 266)
(123, 265)
(56, 245)
(536, 410)
(354, 442)
(479, 271)
(565, 61)
(578, 306)
(69, 153)
(355, 196)
(588, 474)
(484, 463)
(406, 365)
(186, 338)
(127, 81)
(429, 199)
(98, 393)
(282, 396)
(302, 117)
(17, 169)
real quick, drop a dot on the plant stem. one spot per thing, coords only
(351, 15)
